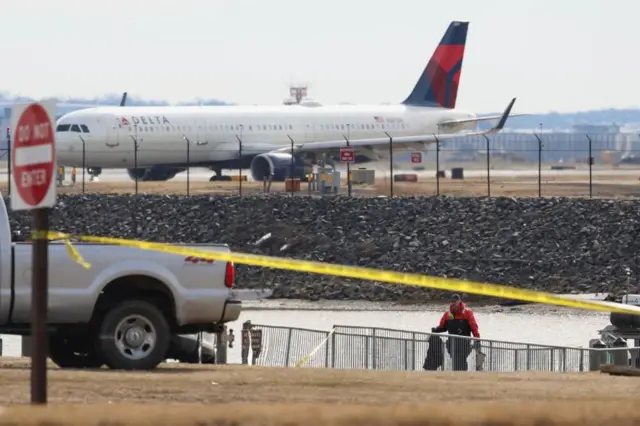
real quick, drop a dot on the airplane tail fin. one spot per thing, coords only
(438, 84)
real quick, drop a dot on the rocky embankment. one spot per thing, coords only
(558, 245)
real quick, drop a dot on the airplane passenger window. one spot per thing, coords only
(75, 128)
(250, 128)
(84, 128)
(63, 127)
(290, 127)
(279, 127)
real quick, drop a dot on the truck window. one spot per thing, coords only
(75, 128)
(63, 127)
(84, 128)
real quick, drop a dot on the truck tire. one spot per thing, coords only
(69, 352)
(134, 336)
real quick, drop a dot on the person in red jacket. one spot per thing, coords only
(458, 320)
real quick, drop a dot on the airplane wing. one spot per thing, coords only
(400, 143)
(445, 124)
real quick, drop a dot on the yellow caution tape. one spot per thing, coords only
(307, 357)
(75, 255)
(357, 272)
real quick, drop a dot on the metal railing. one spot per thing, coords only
(354, 347)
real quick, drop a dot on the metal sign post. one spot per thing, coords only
(348, 155)
(33, 187)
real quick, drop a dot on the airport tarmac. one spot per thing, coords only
(203, 175)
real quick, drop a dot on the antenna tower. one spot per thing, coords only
(297, 92)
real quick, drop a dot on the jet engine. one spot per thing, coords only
(153, 173)
(278, 165)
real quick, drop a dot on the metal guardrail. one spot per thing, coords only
(354, 347)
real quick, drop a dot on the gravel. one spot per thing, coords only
(558, 245)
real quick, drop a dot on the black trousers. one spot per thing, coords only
(459, 350)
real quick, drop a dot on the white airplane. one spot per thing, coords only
(156, 143)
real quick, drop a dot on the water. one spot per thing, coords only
(533, 323)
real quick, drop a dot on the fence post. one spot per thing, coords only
(539, 165)
(245, 346)
(349, 167)
(9, 165)
(288, 351)
(221, 346)
(413, 351)
(437, 165)
(326, 351)
(333, 349)
(84, 161)
(590, 168)
(390, 163)
(374, 346)
(488, 167)
(240, 163)
(135, 157)
(188, 145)
(292, 166)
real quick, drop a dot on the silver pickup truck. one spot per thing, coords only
(125, 309)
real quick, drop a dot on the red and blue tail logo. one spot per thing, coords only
(438, 84)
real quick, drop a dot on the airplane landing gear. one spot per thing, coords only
(217, 176)
(94, 172)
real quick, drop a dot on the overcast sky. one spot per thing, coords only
(553, 55)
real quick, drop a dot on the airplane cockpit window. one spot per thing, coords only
(75, 128)
(84, 128)
(63, 127)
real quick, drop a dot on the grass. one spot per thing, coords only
(242, 395)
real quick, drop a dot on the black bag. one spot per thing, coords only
(435, 354)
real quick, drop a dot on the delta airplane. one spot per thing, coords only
(156, 143)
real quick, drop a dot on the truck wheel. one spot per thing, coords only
(68, 352)
(134, 336)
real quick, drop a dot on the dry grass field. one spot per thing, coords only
(243, 395)
(619, 186)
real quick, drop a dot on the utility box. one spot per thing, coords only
(457, 173)
(325, 181)
(292, 185)
(598, 358)
(363, 176)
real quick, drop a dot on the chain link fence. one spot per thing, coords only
(506, 164)
(354, 347)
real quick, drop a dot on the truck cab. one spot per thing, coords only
(122, 311)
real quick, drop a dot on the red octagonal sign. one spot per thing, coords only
(33, 155)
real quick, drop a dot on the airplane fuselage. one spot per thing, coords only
(211, 134)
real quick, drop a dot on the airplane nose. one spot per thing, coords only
(65, 148)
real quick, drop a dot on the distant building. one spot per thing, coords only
(593, 129)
